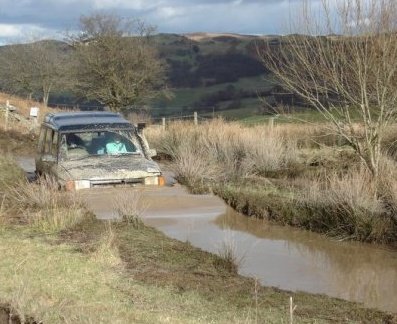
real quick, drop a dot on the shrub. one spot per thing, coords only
(43, 206)
(129, 207)
(218, 150)
(349, 206)
(268, 151)
(227, 252)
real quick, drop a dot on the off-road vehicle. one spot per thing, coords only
(88, 149)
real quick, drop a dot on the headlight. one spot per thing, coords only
(77, 185)
(157, 181)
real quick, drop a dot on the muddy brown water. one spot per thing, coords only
(277, 256)
(283, 257)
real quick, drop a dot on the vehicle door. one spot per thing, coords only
(47, 155)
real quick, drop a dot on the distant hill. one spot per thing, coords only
(213, 73)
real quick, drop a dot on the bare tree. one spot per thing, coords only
(36, 68)
(344, 63)
(116, 62)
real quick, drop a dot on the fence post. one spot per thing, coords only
(163, 123)
(195, 118)
(271, 122)
(6, 115)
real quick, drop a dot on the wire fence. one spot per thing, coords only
(75, 107)
(195, 118)
(155, 121)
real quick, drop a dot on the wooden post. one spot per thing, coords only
(34, 114)
(271, 122)
(163, 123)
(6, 115)
(195, 118)
(292, 308)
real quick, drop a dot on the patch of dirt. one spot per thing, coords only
(84, 236)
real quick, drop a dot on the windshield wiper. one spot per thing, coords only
(124, 153)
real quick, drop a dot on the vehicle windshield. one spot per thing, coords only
(79, 145)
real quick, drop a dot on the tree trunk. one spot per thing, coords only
(46, 95)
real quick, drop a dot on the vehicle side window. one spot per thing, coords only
(40, 147)
(48, 141)
(54, 144)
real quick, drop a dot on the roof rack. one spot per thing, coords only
(72, 121)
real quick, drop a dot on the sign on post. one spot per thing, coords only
(34, 112)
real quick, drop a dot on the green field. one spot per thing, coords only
(184, 98)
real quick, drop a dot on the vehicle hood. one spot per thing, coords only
(108, 168)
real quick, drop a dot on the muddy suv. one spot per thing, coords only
(88, 149)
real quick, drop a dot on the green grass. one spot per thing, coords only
(249, 108)
(308, 116)
(185, 97)
(119, 274)
(299, 117)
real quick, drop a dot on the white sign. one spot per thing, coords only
(34, 111)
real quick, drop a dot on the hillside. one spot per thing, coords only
(211, 73)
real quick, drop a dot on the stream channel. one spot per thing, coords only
(278, 256)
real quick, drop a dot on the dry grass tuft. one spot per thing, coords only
(43, 206)
(3, 214)
(228, 254)
(350, 206)
(129, 207)
(107, 252)
(216, 151)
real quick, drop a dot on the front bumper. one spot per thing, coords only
(72, 185)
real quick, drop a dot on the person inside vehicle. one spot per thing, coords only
(74, 141)
(115, 145)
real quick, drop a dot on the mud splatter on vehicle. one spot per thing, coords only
(88, 149)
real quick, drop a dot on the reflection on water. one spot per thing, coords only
(293, 259)
(348, 270)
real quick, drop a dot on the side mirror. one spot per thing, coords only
(141, 127)
(152, 152)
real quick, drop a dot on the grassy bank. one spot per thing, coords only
(18, 133)
(81, 270)
(295, 174)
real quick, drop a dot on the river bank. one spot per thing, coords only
(298, 175)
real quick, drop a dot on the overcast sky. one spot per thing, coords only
(50, 18)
